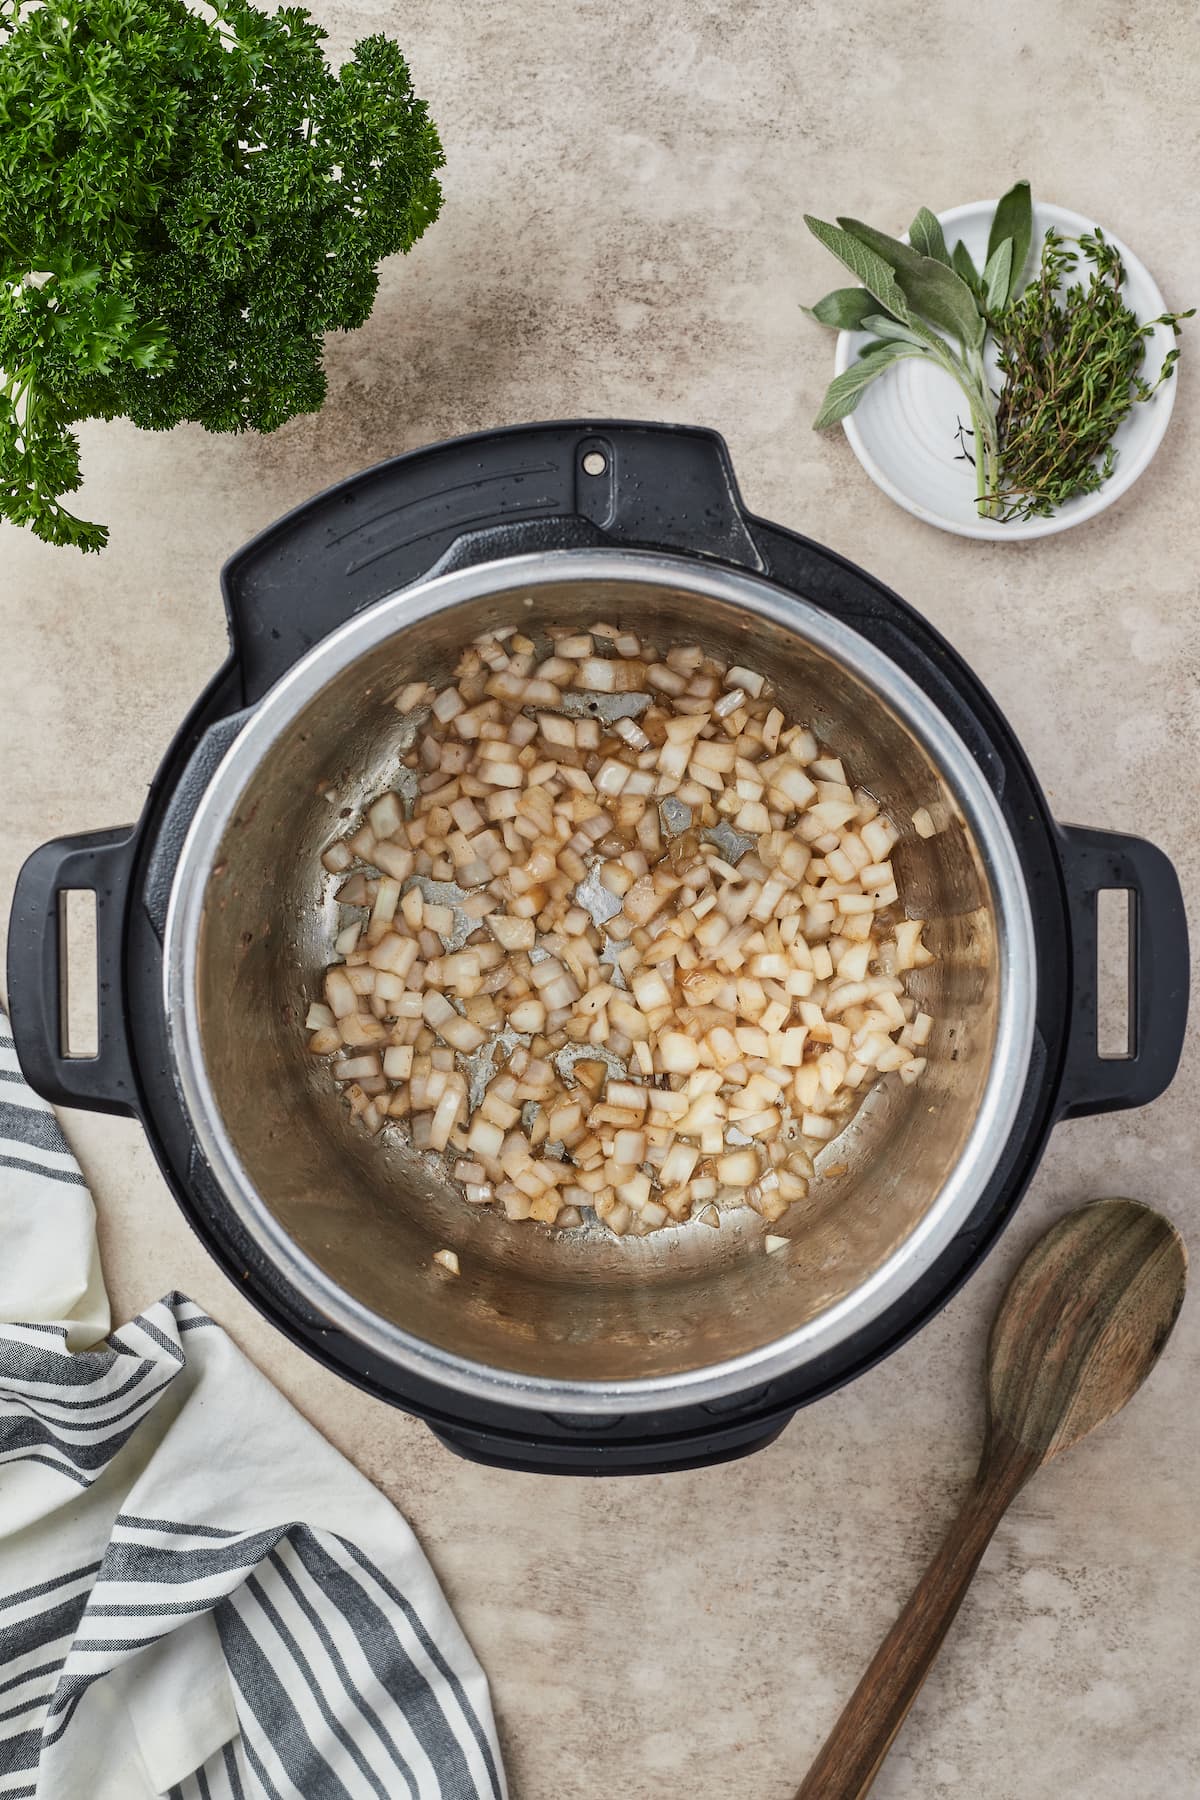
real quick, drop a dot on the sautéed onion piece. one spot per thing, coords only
(681, 961)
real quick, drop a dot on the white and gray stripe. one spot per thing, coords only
(349, 1679)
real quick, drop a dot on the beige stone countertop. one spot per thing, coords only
(622, 236)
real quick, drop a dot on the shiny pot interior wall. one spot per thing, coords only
(581, 1305)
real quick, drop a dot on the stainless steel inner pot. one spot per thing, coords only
(580, 1321)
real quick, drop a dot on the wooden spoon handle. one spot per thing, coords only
(852, 1754)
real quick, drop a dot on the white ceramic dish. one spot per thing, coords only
(903, 429)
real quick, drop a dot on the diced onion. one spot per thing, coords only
(692, 1033)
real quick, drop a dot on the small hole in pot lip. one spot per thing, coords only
(595, 462)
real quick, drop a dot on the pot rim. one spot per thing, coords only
(1016, 946)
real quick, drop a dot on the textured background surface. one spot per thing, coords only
(623, 235)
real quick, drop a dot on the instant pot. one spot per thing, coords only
(574, 1351)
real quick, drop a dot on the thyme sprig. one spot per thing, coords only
(1071, 354)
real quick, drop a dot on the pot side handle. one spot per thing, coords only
(99, 862)
(1094, 861)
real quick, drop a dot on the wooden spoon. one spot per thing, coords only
(1077, 1333)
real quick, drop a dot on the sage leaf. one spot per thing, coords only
(996, 278)
(845, 390)
(845, 309)
(891, 330)
(931, 289)
(925, 234)
(1013, 218)
(964, 267)
(872, 270)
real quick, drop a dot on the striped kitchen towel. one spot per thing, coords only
(198, 1596)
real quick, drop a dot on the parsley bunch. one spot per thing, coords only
(187, 204)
